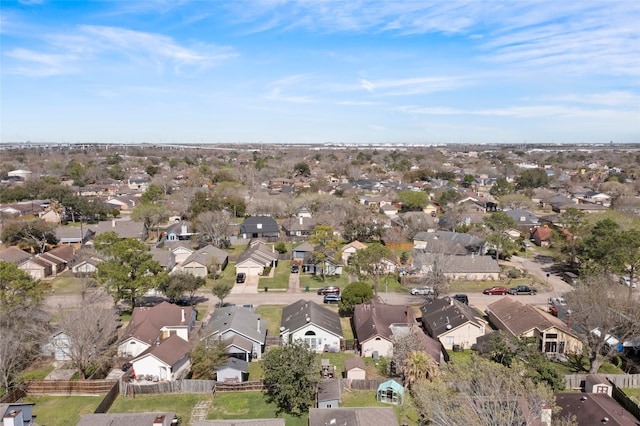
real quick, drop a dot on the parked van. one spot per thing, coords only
(570, 277)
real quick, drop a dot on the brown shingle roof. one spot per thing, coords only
(14, 255)
(373, 318)
(169, 351)
(146, 322)
(355, 362)
(518, 318)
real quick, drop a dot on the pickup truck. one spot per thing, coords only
(522, 289)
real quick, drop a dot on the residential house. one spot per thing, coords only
(14, 255)
(36, 267)
(51, 216)
(122, 203)
(151, 326)
(364, 416)
(73, 235)
(259, 227)
(390, 210)
(330, 266)
(300, 226)
(128, 419)
(57, 346)
(522, 320)
(541, 236)
(525, 220)
(355, 369)
(17, 414)
(374, 323)
(200, 261)
(351, 249)
(243, 332)
(317, 326)
(328, 395)
(458, 268)
(234, 370)
(178, 231)
(452, 243)
(303, 251)
(86, 267)
(453, 323)
(593, 408)
(168, 360)
(179, 253)
(59, 258)
(257, 257)
(124, 229)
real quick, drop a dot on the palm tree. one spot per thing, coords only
(419, 366)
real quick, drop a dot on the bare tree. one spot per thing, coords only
(22, 335)
(91, 333)
(603, 315)
(435, 266)
(480, 392)
(164, 182)
(213, 226)
(415, 222)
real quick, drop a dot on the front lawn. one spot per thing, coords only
(315, 281)
(181, 404)
(62, 410)
(280, 277)
(248, 405)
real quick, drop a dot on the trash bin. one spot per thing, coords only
(306, 289)
(266, 289)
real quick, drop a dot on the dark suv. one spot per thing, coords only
(462, 298)
(522, 289)
(241, 277)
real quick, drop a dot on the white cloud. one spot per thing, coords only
(37, 64)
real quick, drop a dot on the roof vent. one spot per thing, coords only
(448, 326)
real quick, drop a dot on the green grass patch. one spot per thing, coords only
(255, 370)
(181, 404)
(633, 393)
(202, 312)
(125, 316)
(280, 277)
(67, 283)
(248, 405)
(347, 330)
(405, 413)
(315, 281)
(37, 373)
(582, 366)
(463, 355)
(273, 315)
(62, 410)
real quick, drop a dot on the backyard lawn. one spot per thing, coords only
(248, 405)
(62, 410)
(181, 404)
(406, 413)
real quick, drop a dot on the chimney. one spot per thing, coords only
(113, 223)
(300, 219)
(159, 420)
(258, 324)
(182, 320)
(184, 229)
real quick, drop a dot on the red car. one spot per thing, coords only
(496, 290)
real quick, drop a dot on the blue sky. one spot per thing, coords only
(320, 71)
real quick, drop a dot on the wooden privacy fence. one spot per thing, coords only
(68, 387)
(576, 381)
(177, 386)
(107, 401)
(357, 384)
(624, 400)
(13, 396)
(250, 386)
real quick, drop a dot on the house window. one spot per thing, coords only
(450, 340)
(602, 389)
(552, 336)
(311, 340)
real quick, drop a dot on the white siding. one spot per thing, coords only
(377, 344)
(317, 338)
(131, 348)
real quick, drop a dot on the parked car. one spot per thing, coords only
(569, 277)
(330, 289)
(627, 281)
(295, 269)
(241, 277)
(462, 298)
(522, 289)
(332, 298)
(425, 290)
(496, 289)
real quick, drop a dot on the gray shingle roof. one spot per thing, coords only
(240, 320)
(204, 255)
(298, 314)
(441, 315)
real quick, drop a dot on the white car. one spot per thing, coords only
(425, 291)
(626, 281)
